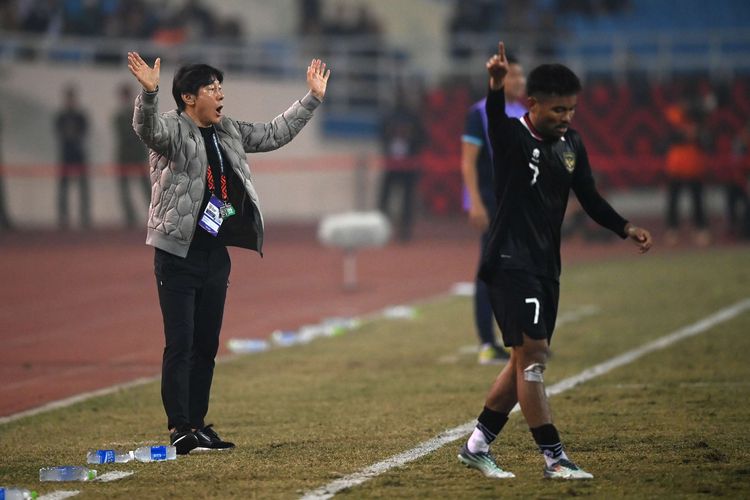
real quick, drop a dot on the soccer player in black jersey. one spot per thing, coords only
(537, 160)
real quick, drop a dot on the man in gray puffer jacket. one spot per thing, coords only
(202, 200)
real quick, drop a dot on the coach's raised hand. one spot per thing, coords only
(317, 78)
(147, 76)
(498, 67)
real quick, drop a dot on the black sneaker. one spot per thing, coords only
(183, 441)
(209, 440)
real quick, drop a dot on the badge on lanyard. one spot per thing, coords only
(211, 220)
(227, 210)
(216, 210)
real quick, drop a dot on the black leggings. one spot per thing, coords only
(192, 292)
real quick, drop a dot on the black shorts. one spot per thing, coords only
(524, 303)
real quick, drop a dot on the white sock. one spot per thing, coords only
(477, 442)
(552, 460)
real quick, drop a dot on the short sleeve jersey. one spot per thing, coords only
(533, 177)
(475, 132)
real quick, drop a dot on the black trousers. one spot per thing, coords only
(673, 197)
(192, 292)
(63, 187)
(407, 181)
(140, 181)
(483, 318)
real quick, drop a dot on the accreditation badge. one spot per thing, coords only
(227, 210)
(211, 219)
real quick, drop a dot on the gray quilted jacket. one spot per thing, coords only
(178, 169)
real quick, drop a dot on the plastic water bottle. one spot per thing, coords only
(109, 456)
(66, 473)
(244, 346)
(155, 453)
(16, 494)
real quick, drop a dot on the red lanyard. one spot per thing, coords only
(211, 185)
(210, 174)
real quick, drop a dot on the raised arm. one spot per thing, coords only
(498, 122)
(148, 77)
(498, 67)
(147, 123)
(259, 136)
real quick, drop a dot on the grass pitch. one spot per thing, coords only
(671, 424)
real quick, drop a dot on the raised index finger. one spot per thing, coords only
(501, 51)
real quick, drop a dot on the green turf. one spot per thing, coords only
(668, 425)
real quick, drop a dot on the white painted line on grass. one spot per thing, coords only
(114, 475)
(104, 478)
(58, 495)
(576, 314)
(64, 403)
(456, 433)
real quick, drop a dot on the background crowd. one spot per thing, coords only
(682, 129)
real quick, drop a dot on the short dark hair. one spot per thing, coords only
(552, 79)
(190, 78)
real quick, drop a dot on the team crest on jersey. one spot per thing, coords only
(570, 160)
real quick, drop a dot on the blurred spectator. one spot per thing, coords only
(349, 20)
(40, 16)
(402, 138)
(198, 21)
(71, 128)
(83, 17)
(310, 18)
(229, 31)
(136, 20)
(5, 223)
(8, 21)
(738, 198)
(132, 155)
(685, 169)
(469, 17)
(143, 19)
(341, 23)
(547, 36)
(592, 8)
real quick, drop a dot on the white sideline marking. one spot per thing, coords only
(575, 315)
(64, 403)
(456, 433)
(104, 478)
(114, 475)
(58, 495)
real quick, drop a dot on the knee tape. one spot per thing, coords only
(533, 372)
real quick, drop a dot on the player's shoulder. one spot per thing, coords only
(573, 137)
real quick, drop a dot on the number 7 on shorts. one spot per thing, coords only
(535, 301)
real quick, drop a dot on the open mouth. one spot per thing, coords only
(218, 110)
